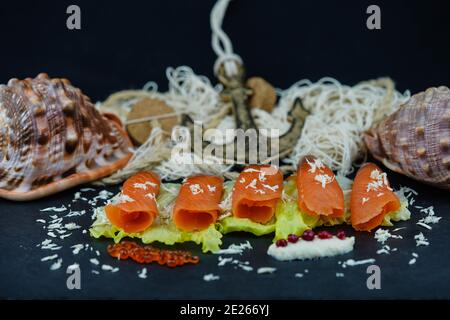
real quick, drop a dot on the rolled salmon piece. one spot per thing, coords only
(318, 191)
(256, 193)
(371, 198)
(197, 204)
(136, 208)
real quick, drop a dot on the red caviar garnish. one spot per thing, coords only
(149, 254)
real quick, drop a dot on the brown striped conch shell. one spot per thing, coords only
(415, 140)
(52, 138)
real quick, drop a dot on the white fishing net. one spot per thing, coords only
(339, 114)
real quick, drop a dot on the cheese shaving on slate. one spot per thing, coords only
(210, 277)
(143, 273)
(235, 248)
(352, 263)
(266, 270)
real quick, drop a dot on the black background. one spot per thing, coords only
(125, 44)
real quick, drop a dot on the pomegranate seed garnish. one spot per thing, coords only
(325, 235)
(281, 243)
(308, 235)
(292, 238)
(340, 234)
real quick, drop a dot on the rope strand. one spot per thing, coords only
(220, 42)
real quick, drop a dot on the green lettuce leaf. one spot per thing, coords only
(402, 214)
(233, 224)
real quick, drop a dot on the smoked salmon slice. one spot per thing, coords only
(256, 193)
(318, 191)
(197, 204)
(136, 208)
(371, 198)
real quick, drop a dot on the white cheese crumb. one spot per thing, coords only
(224, 261)
(421, 240)
(40, 220)
(352, 263)
(260, 191)
(424, 225)
(266, 270)
(143, 273)
(73, 266)
(124, 198)
(211, 189)
(55, 209)
(242, 180)
(95, 272)
(235, 248)
(382, 235)
(151, 196)
(364, 200)
(412, 261)
(314, 165)
(77, 248)
(339, 275)
(245, 268)
(71, 226)
(299, 275)
(195, 189)
(49, 257)
(107, 267)
(94, 261)
(210, 277)
(273, 188)
(323, 179)
(251, 184)
(56, 265)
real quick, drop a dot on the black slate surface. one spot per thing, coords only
(23, 275)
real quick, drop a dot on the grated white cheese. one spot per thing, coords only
(382, 235)
(143, 273)
(107, 267)
(323, 179)
(77, 248)
(94, 261)
(49, 257)
(195, 189)
(298, 275)
(242, 180)
(151, 196)
(210, 277)
(339, 275)
(266, 270)
(235, 248)
(364, 200)
(424, 225)
(352, 263)
(224, 261)
(95, 272)
(272, 188)
(211, 189)
(56, 265)
(314, 165)
(421, 240)
(41, 220)
(55, 209)
(73, 266)
(251, 184)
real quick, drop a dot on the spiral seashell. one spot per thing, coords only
(52, 138)
(415, 140)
